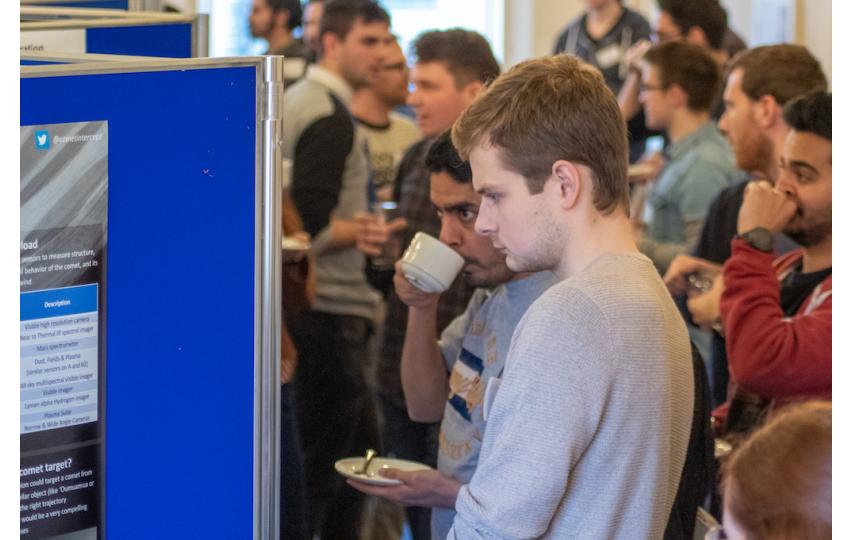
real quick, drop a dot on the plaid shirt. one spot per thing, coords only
(412, 192)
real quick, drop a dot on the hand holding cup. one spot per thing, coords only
(374, 233)
(429, 264)
(409, 294)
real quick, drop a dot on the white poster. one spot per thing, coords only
(65, 41)
(62, 283)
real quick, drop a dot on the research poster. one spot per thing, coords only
(63, 325)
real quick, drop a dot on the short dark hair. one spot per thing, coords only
(690, 67)
(708, 15)
(442, 157)
(294, 7)
(810, 113)
(466, 54)
(338, 16)
(781, 71)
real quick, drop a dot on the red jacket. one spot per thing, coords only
(778, 357)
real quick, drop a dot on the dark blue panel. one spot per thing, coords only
(180, 293)
(99, 4)
(38, 63)
(164, 40)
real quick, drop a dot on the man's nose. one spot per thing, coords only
(785, 183)
(484, 225)
(723, 123)
(449, 232)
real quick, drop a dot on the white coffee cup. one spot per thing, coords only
(429, 264)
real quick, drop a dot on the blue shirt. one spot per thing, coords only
(475, 346)
(699, 167)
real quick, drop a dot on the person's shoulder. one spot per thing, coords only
(737, 188)
(712, 152)
(635, 20)
(401, 119)
(575, 25)
(295, 49)
(307, 98)
(566, 315)
(709, 157)
(478, 299)
(613, 277)
(729, 199)
(404, 127)
(566, 298)
(416, 153)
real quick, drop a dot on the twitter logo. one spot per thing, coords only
(42, 140)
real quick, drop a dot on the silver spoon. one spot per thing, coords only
(367, 459)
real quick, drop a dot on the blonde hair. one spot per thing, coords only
(778, 483)
(549, 109)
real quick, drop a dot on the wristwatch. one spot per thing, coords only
(759, 238)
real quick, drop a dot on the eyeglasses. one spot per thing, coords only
(664, 37)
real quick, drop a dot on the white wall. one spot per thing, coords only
(532, 25)
(812, 25)
(817, 31)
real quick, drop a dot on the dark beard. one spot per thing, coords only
(809, 237)
(812, 231)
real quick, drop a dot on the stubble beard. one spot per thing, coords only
(811, 230)
(755, 153)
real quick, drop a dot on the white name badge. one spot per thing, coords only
(608, 56)
(491, 389)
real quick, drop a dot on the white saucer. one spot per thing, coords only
(348, 466)
(294, 243)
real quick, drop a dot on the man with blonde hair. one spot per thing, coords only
(589, 427)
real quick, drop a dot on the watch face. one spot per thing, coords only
(760, 238)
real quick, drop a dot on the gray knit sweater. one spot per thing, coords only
(587, 435)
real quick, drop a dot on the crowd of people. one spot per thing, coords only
(612, 293)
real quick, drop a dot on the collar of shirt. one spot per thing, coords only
(676, 150)
(332, 81)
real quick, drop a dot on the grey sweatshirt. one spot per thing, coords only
(330, 180)
(587, 434)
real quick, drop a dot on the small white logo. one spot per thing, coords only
(42, 140)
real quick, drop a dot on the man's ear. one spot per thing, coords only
(696, 36)
(678, 94)
(569, 182)
(282, 18)
(471, 90)
(767, 112)
(330, 44)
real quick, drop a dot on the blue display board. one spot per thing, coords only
(38, 63)
(180, 292)
(99, 4)
(163, 40)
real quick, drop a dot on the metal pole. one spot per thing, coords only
(271, 101)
